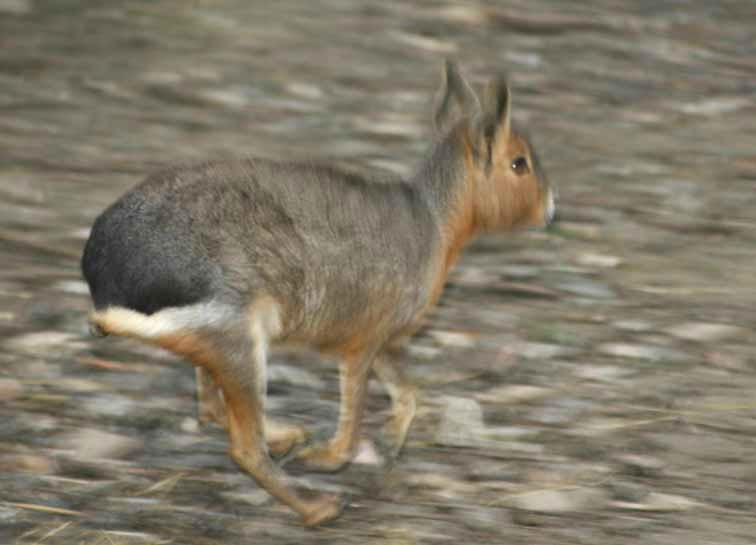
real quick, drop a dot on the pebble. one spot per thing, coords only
(602, 373)
(560, 411)
(599, 260)
(587, 288)
(228, 98)
(189, 425)
(76, 287)
(16, 7)
(256, 497)
(635, 326)
(423, 352)
(27, 462)
(456, 339)
(585, 231)
(641, 352)
(294, 376)
(514, 393)
(79, 385)
(714, 106)
(461, 423)
(444, 485)
(464, 13)
(658, 502)
(561, 501)
(113, 405)
(424, 42)
(41, 342)
(545, 351)
(10, 389)
(518, 272)
(305, 90)
(532, 60)
(484, 519)
(628, 491)
(367, 454)
(704, 332)
(724, 360)
(92, 444)
(641, 465)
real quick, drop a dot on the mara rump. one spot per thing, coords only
(219, 261)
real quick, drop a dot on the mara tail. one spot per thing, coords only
(125, 322)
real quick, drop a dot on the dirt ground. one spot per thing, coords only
(593, 384)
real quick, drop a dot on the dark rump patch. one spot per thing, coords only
(139, 259)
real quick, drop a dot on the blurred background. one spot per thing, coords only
(593, 384)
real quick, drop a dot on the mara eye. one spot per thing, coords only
(520, 165)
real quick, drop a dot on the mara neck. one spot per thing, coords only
(445, 181)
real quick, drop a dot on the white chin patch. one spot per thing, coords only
(550, 207)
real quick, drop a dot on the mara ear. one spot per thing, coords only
(455, 94)
(498, 108)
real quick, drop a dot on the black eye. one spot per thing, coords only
(520, 165)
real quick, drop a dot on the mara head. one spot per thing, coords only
(504, 183)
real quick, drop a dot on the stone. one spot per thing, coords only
(80, 385)
(587, 288)
(294, 376)
(16, 7)
(628, 491)
(560, 501)
(112, 405)
(724, 360)
(305, 90)
(76, 287)
(93, 444)
(602, 373)
(463, 13)
(714, 106)
(456, 339)
(423, 352)
(233, 99)
(599, 260)
(255, 497)
(10, 389)
(514, 393)
(545, 351)
(367, 454)
(441, 483)
(426, 43)
(41, 342)
(461, 423)
(704, 332)
(641, 465)
(635, 326)
(28, 463)
(189, 425)
(641, 352)
(658, 502)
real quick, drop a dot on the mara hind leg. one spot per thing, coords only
(236, 359)
(340, 450)
(403, 398)
(211, 407)
(241, 384)
(210, 404)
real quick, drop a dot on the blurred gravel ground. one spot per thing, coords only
(590, 385)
